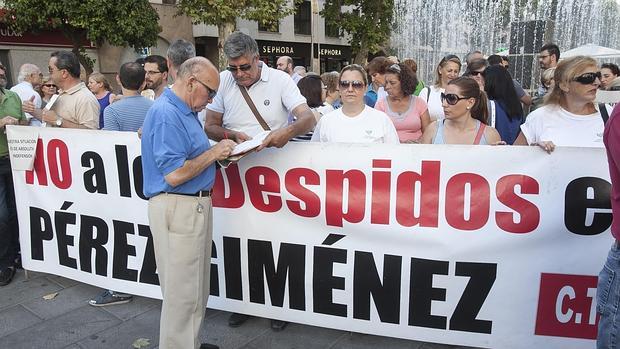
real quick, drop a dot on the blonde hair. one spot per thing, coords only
(442, 63)
(547, 75)
(100, 78)
(564, 73)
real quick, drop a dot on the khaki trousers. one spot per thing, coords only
(182, 233)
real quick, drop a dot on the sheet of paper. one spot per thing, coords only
(49, 104)
(251, 144)
(22, 143)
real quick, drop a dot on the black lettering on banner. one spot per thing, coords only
(93, 235)
(422, 293)
(122, 165)
(291, 263)
(232, 268)
(40, 229)
(481, 279)
(94, 178)
(122, 250)
(577, 202)
(385, 293)
(324, 281)
(214, 286)
(137, 177)
(148, 271)
(61, 220)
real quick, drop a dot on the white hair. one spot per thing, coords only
(26, 70)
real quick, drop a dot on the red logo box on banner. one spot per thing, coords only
(567, 306)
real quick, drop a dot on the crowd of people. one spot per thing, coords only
(188, 126)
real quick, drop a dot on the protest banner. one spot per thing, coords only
(474, 245)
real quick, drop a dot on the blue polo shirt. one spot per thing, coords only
(171, 135)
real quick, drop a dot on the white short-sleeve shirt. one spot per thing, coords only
(554, 123)
(25, 91)
(369, 126)
(275, 94)
(435, 109)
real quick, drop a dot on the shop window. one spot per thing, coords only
(269, 27)
(331, 30)
(302, 18)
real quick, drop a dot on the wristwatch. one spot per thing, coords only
(59, 122)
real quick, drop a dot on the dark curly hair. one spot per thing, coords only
(408, 79)
(614, 68)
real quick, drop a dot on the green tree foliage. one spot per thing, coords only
(368, 23)
(223, 14)
(121, 23)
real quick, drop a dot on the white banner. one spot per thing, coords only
(474, 245)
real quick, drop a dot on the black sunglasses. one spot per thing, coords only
(49, 85)
(357, 85)
(476, 73)
(451, 98)
(236, 68)
(211, 92)
(588, 78)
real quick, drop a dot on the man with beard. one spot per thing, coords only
(156, 77)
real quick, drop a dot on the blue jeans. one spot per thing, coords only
(607, 299)
(9, 233)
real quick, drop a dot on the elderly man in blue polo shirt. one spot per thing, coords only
(179, 171)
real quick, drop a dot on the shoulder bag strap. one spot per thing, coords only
(248, 100)
(480, 133)
(428, 95)
(604, 114)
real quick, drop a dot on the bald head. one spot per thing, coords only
(197, 82)
(285, 63)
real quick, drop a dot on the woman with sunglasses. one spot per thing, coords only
(475, 70)
(355, 122)
(48, 89)
(506, 113)
(466, 111)
(408, 112)
(448, 68)
(569, 116)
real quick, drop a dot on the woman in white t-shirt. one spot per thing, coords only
(355, 122)
(448, 69)
(569, 116)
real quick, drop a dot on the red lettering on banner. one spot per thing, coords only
(467, 196)
(311, 201)
(263, 179)
(236, 195)
(479, 201)
(39, 166)
(58, 165)
(529, 216)
(334, 195)
(57, 150)
(381, 183)
(567, 306)
(429, 196)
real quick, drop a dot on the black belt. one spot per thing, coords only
(202, 193)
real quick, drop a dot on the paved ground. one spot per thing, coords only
(29, 321)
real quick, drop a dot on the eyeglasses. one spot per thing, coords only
(211, 92)
(476, 73)
(543, 56)
(587, 78)
(49, 85)
(152, 72)
(451, 98)
(356, 84)
(236, 68)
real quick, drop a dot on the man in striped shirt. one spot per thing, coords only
(128, 114)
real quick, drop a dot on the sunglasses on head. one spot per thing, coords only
(587, 78)
(451, 98)
(357, 85)
(236, 68)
